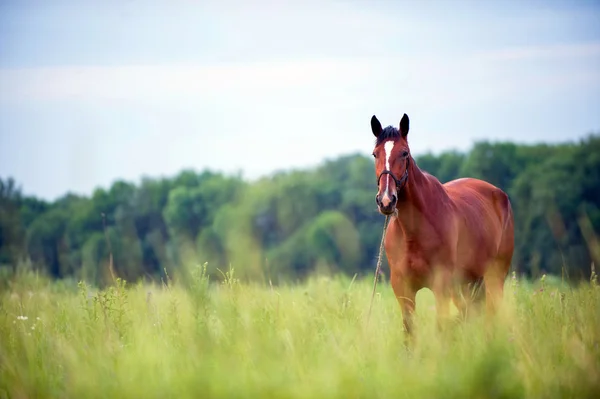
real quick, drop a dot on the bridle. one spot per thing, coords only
(400, 183)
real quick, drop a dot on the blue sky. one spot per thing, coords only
(94, 91)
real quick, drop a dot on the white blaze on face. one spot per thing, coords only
(388, 146)
(387, 198)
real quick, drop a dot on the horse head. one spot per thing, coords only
(392, 157)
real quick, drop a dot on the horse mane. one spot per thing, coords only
(389, 132)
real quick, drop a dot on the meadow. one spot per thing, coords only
(197, 338)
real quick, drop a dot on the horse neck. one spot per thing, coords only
(412, 202)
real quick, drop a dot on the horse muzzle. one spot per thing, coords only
(386, 203)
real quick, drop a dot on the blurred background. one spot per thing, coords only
(237, 132)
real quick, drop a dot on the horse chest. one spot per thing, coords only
(414, 253)
(409, 258)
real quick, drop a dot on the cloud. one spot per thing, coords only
(143, 81)
(576, 50)
(434, 79)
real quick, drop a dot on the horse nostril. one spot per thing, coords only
(378, 200)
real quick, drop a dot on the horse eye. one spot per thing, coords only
(374, 156)
(404, 154)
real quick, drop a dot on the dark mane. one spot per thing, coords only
(389, 132)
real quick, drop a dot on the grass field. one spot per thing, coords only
(309, 340)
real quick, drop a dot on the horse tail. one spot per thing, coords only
(506, 243)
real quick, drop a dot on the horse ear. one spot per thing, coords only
(376, 126)
(404, 125)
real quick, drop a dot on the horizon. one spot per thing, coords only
(103, 92)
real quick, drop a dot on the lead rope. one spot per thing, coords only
(378, 269)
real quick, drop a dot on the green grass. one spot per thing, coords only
(298, 341)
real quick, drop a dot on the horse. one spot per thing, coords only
(446, 237)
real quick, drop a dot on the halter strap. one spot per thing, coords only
(400, 183)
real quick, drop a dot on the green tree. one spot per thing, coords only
(497, 163)
(11, 229)
(294, 223)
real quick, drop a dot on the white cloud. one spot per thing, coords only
(143, 81)
(579, 50)
(435, 80)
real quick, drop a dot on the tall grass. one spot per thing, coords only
(230, 339)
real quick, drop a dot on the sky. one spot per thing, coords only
(97, 91)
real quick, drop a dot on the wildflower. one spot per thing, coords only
(22, 317)
(33, 327)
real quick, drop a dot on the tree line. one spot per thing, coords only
(291, 224)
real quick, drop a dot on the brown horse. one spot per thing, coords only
(445, 237)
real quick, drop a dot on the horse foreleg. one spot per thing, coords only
(406, 296)
(442, 291)
(442, 306)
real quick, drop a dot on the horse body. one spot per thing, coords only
(441, 236)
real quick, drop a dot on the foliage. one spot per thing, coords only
(189, 338)
(294, 224)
